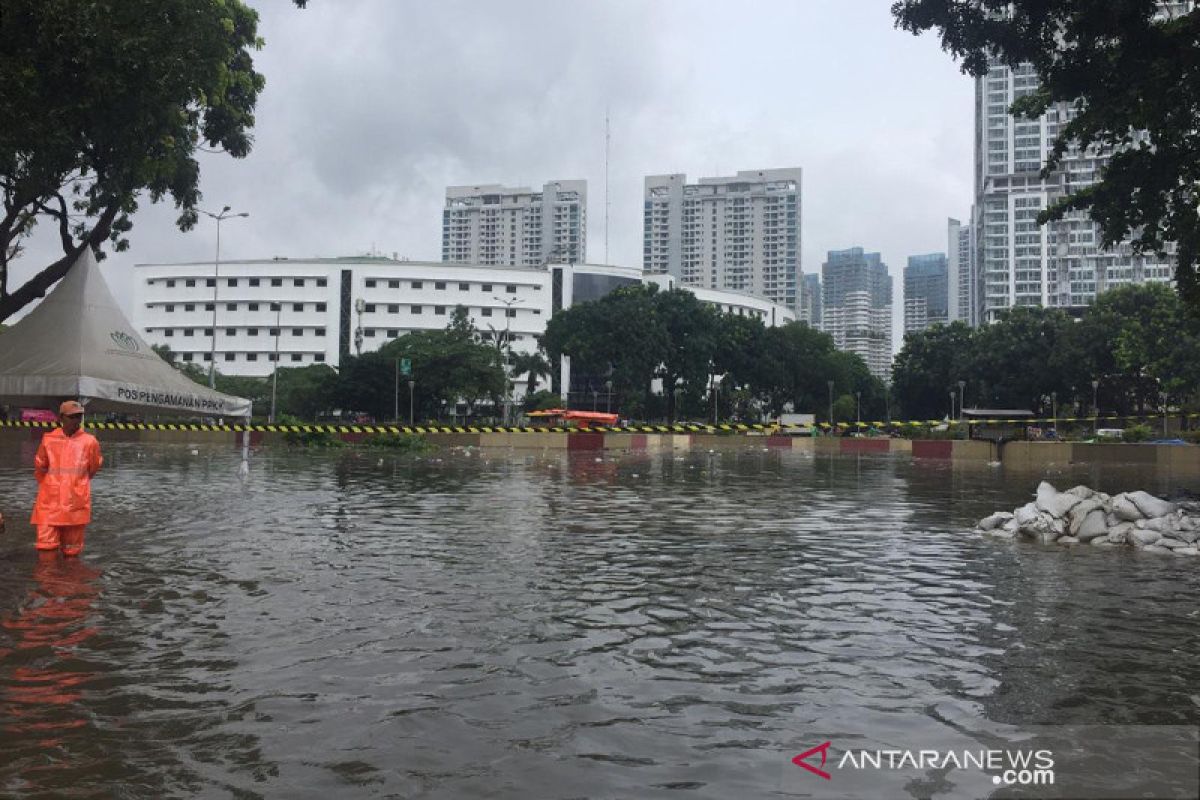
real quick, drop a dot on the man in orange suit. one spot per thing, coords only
(65, 463)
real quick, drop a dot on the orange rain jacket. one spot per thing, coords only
(64, 467)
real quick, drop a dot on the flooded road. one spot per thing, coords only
(514, 624)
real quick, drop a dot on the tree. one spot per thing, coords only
(533, 365)
(306, 392)
(929, 366)
(1128, 70)
(104, 101)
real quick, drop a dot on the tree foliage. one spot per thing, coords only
(1136, 341)
(105, 101)
(641, 338)
(1131, 76)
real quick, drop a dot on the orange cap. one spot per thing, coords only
(70, 407)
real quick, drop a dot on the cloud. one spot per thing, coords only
(373, 107)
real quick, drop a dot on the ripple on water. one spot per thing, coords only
(514, 624)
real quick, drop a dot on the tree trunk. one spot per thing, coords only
(39, 284)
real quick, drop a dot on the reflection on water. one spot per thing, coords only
(520, 624)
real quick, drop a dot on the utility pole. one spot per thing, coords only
(212, 353)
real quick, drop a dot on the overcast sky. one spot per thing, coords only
(373, 107)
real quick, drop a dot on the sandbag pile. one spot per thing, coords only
(1082, 516)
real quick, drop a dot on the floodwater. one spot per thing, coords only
(520, 624)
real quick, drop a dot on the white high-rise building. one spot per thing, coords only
(857, 307)
(961, 273)
(499, 226)
(738, 234)
(1021, 263)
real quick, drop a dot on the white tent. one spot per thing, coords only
(78, 344)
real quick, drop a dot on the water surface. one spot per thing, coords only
(520, 624)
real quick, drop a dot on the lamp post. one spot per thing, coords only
(951, 406)
(411, 410)
(887, 403)
(962, 388)
(1054, 412)
(360, 305)
(508, 315)
(1164, 406)
(396, 394)
(1095, 406)
(830, 385)
(278, 309)
(212, 353)
(716, 399)
(858, 409)
(608, 395)
(595, 398)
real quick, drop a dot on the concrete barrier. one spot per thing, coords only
(1035, 456)
(933, 448)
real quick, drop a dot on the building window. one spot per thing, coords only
(439, 285)
(370, 333)
(272, 331)
(228, 357)
(416, 309)
(393, 333)
(231, 282)
(439, 310)
(252, 356)
(170, 307)
(231, 306)
(272, 357)
(511, 288)
(369, 308)
(186, 356)
(393, 308)
(322, 282)
(298, 282)
(297, 306)
(487, 287)
(510, 312)
(320, 331)
(170, 284)
(370, 283)
(464, 287)
(206, 356)
(418, 284)
(189, 282)
(319, 357)
(277, 281)
(297, 331)
(296, 356)
(208, 306)
(210, 283)
(208, 332)
(485, 312)
(189, 307)
(188, 331)
(252, 331)
(168, 332)
(320, 306)
(254, 281)
(231, 331)
(393, 284)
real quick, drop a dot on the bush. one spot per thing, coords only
(1138, 433)
(313, 439)
(408, 442)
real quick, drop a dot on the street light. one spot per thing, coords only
(1164, 405)
(1095, 405)
(962, 388)
(951, 406)
(1054, 412)
(411, 410)
(608, 401)
(830, 384)
(212, 353)
(278, 309)
(858, 409)
(508, 315)
(887, 403)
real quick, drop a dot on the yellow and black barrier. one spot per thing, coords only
(898, 426)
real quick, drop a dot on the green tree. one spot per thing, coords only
(929, 366)
(306, 392)
(104, 101)
(533, 366)
(1129, 75)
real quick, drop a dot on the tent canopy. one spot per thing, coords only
(77, 343)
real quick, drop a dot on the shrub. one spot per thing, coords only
(409, 442)
(1138, 433)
